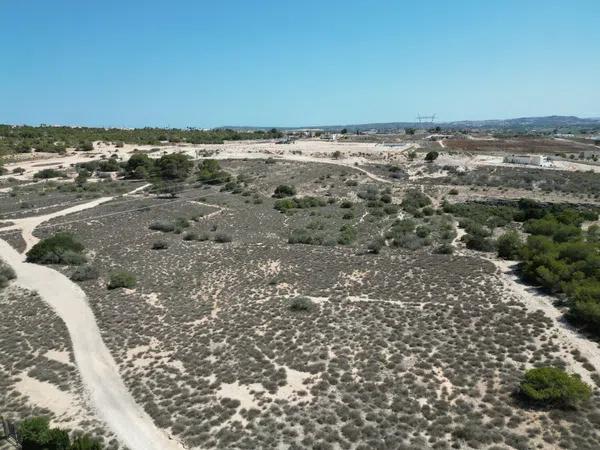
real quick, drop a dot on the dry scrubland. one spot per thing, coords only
(399, 348)
(37, 372)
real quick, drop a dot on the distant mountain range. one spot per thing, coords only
(517, 123)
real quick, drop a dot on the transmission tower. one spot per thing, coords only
(426, 119)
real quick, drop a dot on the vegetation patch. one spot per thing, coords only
(62, 248)
(554, 387)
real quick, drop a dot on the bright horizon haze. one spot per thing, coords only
(273, 63)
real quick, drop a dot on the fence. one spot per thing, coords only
(9, 433)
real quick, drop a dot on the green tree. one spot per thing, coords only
(139, 166)
(431, 156)
(210, 172)
(175, 166)
(554, 387)
(36, 434)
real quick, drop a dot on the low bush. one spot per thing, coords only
(6, 274)
(286, 204)
(284, 190)
(309, 237)
(375, 246)
(554, 387)
(414, 200)
(160, 245)
(223, 238)
(347, 235)
(62, 248)
(190, 236)
(162, 225)
(445, 249)
(301, 304)
(478, 242)
(121, 279)
(49, 173)
(85, 273)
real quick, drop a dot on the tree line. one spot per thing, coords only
(23, 139)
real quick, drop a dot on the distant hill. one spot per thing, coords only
(517, 123)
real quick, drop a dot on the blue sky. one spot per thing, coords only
(283, 63)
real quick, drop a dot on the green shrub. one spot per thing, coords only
(301, 304)
(286, 204)
(431, 156)
(210, 172)
(478, 242)
(61, 248)
(85, 442)
(85, 273)
(284, 190)
(509, 245)
(445, 249)
(160, 245)
(346, 204)
(162, 225)
(414, 199)
(309, 237)
(121, 279)
(85, 147)
(554, 387)
(49, 173)
(190, 236)
(223, 238)
(6, 274)
(375, 246)
(347, 235)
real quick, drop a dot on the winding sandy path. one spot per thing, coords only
(98, 370)
(28, 224)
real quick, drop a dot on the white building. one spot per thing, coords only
(530, 160)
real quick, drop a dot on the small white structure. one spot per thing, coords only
(529, 160)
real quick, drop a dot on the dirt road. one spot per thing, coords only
(99, 372)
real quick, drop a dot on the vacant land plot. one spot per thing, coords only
(516, 145)
(235, 336)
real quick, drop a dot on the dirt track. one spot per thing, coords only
(99, 372)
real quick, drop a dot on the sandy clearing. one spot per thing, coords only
(47, 395)
(60, 356)
(534, 300)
